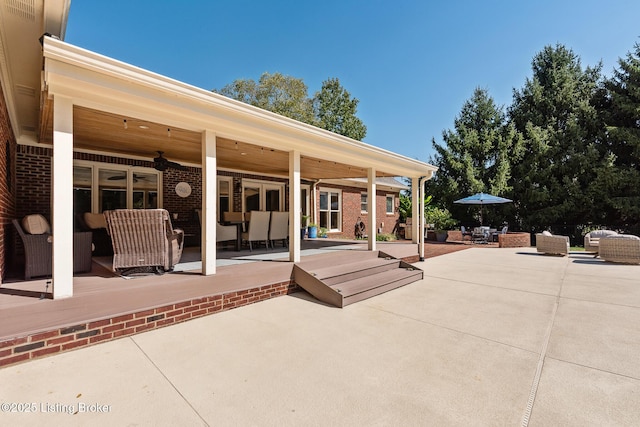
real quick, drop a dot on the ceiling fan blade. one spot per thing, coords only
(176, 165)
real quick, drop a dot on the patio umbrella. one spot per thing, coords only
(482, 199)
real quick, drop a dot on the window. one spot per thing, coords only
(225, 196)
(99, 186)
(262, 196)
(390, 204)
(363, 202)
(330, 210)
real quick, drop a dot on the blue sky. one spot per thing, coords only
(412, 64)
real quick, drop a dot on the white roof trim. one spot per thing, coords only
(100, 82)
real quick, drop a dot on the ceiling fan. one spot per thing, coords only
(162, 164)
(121, 177)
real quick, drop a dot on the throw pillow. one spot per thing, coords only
(35, 224)
(95, 220)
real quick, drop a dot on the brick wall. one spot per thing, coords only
(514, 240)
(20, 349)
(7, 187)
(351, 211)
(34, 191)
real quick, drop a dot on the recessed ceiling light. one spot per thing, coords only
(143, 127)
(243, 154)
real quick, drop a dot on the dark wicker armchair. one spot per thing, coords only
(38, 252)
(143, 238)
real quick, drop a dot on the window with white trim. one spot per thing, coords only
(103, 186)
(364, 207)
(225, 195)
(331, 209)
(390, 204)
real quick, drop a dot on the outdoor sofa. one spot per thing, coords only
(592, 239)
(623, 248)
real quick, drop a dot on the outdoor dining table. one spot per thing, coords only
(482, 234)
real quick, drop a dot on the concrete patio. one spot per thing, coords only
(489, 337)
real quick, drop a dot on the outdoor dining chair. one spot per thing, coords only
(258, 228)
(224, 233)
(465, 233)
(279, 228)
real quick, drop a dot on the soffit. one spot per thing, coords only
(22, 22)
(103, 132)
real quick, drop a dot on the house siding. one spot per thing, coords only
(7, 185)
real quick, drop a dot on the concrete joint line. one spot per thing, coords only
(543, 354)
(169, 381)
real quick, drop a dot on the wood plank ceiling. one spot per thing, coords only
(122, 136)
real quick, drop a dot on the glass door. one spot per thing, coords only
(262, 196)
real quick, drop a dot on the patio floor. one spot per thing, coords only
(26, 309)
(489, 337)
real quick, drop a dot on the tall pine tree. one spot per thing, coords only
(476, 156)
(555, 114)
(619, 182)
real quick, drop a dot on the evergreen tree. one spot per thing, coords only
(476, 157)
(562, 132)
(618, 183)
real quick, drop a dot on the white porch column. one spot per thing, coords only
(62, 182)
(421, 236)
(209, 214)
(371, 207)
(415, 206)
(294, 206)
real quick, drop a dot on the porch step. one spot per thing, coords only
(348, 281)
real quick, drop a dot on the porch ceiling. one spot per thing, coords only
(104, 132)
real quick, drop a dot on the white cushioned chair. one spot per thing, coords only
(279, 228)
(258, 228)
(224, 233)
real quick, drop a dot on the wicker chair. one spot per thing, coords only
(144, 238)
(592, 239)
(549, 244)
(38, 252)
(623, 248)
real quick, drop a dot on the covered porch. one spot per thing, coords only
(93, 105)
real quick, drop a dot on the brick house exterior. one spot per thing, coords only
(34, 195)
(351, 209)
(7, 185)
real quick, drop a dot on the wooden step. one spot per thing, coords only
(345, 282)
(376, 284)
(345, 272)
